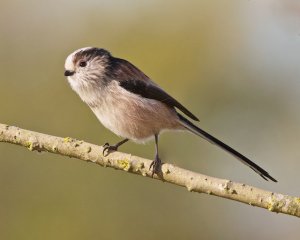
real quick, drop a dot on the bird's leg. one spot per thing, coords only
(156, 164)
(110, 148)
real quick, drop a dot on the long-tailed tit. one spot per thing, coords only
(131, 105)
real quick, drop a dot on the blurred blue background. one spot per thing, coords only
(235, 64)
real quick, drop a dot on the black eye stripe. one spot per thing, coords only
(90, 54)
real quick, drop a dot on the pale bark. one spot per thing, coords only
(194, 182)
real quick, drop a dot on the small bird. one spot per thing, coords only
(131, 105)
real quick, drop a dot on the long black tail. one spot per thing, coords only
(196, 130)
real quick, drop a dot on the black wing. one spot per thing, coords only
(135, 81)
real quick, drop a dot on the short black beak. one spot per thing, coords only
(69, 73)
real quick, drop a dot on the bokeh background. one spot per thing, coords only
(234, 63)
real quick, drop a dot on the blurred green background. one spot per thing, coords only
(235, 64)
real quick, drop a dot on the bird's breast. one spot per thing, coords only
(132, 116)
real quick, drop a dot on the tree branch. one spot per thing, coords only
(194, 182)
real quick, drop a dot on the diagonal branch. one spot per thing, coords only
(194, 182)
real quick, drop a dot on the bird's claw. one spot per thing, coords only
(107, 149)
(156, 166)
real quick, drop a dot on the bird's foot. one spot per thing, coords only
(107, 149)
(156, 166)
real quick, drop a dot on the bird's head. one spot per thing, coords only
(86, 66)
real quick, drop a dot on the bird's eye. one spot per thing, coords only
(82, 64)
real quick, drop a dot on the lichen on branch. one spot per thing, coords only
(194, 182)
